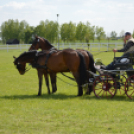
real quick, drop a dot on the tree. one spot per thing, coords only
(13, 29)
(99, 33)
(9, 29)
(113, 35)
(47, 29)
(89, 33)
(71, 31)
(80, 33)
(68, 31)
(40, 30)
(22, 27)
(64, 31)
(122, 34)
(93, 29)
(28, 34)
(108, 36)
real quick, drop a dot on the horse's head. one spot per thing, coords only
(37, 43)
(21, 66)
(20, 62)
(40, 43)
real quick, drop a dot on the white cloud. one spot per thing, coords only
(36, 4)
(15, 5)
(32, 11)
(110, 14)
(83, 12)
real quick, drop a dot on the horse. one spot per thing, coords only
(43, 44)
(67, 60)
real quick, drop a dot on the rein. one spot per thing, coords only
(101, 52)
(68, 77)
(28, 69)
(66, 82)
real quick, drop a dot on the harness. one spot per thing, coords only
(36, 65)
(52, 48)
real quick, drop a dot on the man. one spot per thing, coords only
(128, 49)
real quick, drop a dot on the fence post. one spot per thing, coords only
(107, 46)
(20, 47)
(69, 45)
(7, 47)
(63, 45)
(91, 47)
(99, 47)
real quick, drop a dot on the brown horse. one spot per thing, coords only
(59, 61)
(43, 44)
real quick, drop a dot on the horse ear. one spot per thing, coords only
(36, 36)
(14, 57)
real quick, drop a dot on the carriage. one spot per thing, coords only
(107, 83)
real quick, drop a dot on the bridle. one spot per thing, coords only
(18, 66)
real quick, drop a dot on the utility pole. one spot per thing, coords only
(58, 31)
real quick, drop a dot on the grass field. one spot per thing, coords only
(23, 112)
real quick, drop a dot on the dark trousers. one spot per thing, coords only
(111, 65)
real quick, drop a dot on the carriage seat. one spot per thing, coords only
(123, 63)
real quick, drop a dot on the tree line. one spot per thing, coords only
(51, 30)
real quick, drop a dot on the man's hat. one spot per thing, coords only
(127, 33)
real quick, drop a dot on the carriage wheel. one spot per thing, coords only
(121, 85)
(104, 86)
(130, 87)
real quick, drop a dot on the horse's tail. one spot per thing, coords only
(82, 69)
(91, 62)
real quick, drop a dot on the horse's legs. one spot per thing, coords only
(78, 80)
(89, 90)
(40, 82)
(53, 82)
(90, 86)
(47, 82)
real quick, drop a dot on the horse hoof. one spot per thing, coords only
(39, 94)
(87, 93)
(79, 94)
(54, 91)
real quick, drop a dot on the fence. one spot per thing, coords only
(94, 47)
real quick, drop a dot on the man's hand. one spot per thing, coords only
(115, 50)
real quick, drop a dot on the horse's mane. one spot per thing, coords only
(48, 42)
(27, 54)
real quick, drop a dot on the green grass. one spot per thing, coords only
(23, 112)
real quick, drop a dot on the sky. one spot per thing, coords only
(113, 15)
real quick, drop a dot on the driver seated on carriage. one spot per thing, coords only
(128, 51)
